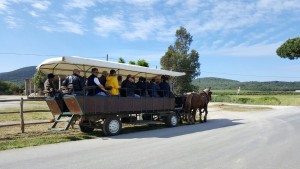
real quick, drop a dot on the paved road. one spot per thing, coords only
(260, 140)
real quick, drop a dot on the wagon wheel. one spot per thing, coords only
(85, 128)
(180, 114)
(172, 120)
(112, 126)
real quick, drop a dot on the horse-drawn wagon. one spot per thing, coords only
(109, 112)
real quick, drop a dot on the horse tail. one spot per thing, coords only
(188, 103)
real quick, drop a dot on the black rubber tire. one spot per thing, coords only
(112, 126)
(171, 120)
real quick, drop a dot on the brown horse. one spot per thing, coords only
(196, 101)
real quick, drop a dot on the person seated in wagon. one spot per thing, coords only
(73, 84)
(164, 87)
(112, 82)
(128, 87)
(153, 88)
(141, 87)
(94, 81)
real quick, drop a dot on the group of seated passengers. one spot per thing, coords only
(144, 89)
(109, 84)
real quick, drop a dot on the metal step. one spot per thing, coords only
(66, 114)
(67, 120)
(57, 129)
(70, 120)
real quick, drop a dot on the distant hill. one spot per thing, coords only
(18, 75)
(226, 84)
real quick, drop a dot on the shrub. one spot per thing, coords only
(221, 98)
(268, 101)
(244, 100)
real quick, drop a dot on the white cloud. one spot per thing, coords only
(172, 2)
(41, 5)
(72, 27)
(277, 6)
(105, 25)
(142, 2)
(12, 22)
(3, 6)
(33, 13)
(48, 29)
(81, 4)
(65, 26)
(243, 50)
(142, 29)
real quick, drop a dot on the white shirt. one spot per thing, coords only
(96, 80)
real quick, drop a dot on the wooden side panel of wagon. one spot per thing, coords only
(85, 105)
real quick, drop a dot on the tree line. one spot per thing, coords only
(226, 84)
(11, 88)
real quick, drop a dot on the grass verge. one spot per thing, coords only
(38, 134)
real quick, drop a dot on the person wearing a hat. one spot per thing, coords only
(50, 88)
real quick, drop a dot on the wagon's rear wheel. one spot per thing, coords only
(171, 120)
(84, 128)
(112, 126)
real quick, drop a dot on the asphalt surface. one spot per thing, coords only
(229, 140)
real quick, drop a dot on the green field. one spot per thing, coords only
(257, 97)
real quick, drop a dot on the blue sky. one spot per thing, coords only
(235, 39)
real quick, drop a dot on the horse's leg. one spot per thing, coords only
(205, 116)
(187, 117)
(194, 116)
(200, 116)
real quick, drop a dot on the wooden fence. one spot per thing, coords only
(22, 111)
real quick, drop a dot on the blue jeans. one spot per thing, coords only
(101, 94)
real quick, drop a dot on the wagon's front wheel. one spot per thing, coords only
(112, 126)
(172, 120)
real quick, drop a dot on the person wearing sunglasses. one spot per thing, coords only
(98, 89)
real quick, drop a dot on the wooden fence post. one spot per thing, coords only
(21, 115)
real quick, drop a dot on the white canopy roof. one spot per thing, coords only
(66, 64)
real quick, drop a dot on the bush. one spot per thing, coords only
(268, 101)
(244, 100)
(221, 98)
(8, 88)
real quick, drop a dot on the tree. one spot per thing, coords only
(8, 88)
(178, 58)
(140, 62)
(121, 60)
(132, 62)
(143, 62)
(38, 79)
(290, 49)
